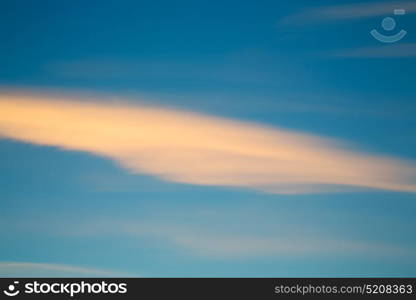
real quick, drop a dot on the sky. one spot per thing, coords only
(207, 139)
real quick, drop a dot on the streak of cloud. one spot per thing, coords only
(30, 269)
(222, 242)
(389, 51)
(197, 149)
(223, 245)
(348, 12)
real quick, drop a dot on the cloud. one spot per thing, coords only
(348, 11)
(392, 51)
(30, 269)
(221, 242)
(197, 149)
(241, 233)
(231, 69)
(240, 246)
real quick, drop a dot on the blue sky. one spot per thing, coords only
(74, 207)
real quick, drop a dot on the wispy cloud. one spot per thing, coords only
(348, 11)
(30, 269)
(241, 233)
(232, 69)
(392, 51)
(191, 148)
(215, 242)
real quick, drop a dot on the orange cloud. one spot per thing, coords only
(197, 149)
